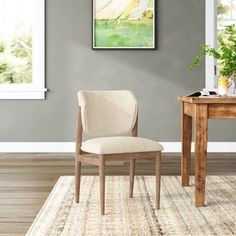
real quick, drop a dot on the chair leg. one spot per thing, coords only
(158, 179)
(102, 182)
(131, 177)
(77, 179)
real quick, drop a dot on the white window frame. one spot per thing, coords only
(35, 90)
(211, 40)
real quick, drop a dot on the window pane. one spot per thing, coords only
(234, 10)
(224, 9)
(16, 41)
(226, 13)
(226, 16)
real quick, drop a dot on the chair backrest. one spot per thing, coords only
(107, 113)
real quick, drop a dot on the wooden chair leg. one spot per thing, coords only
(102, 182)
(77, 179)
(131, 177)
(158, 179)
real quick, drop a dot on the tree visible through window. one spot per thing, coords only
(226, 16)
(16, 19)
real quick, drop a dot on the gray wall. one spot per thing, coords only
(157, 77)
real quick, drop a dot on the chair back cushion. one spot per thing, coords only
(107, 113)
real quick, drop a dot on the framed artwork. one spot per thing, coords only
(124, 24)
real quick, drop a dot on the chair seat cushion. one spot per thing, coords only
(124, 144)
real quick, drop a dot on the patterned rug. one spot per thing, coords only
(138, 216)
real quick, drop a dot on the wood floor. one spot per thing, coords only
(27, 179)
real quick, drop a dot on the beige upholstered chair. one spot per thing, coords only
(105, 115)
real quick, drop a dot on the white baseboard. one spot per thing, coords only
(37, 147)
(211, 146)
(69, 147)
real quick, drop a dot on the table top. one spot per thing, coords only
(207, 100)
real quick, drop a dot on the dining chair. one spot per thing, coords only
(108, 116)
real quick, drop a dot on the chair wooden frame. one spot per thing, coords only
(99, 160)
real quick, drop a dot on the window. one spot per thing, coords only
(22, 66)
(219, 13)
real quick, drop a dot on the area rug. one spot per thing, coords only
(60, 215)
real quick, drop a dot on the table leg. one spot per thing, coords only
(201, 133)
(186, 146)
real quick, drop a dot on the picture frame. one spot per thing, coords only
(124, 24)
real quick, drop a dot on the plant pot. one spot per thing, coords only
(223, 83)
(232, 86)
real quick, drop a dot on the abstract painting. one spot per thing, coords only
(124, 24)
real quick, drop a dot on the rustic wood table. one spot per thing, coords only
(201, 109)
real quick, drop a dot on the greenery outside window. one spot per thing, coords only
(22, 49)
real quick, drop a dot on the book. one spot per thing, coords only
(203, 94)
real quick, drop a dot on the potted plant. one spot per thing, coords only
(225, 54)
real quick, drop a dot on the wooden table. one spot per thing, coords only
(201, 109)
